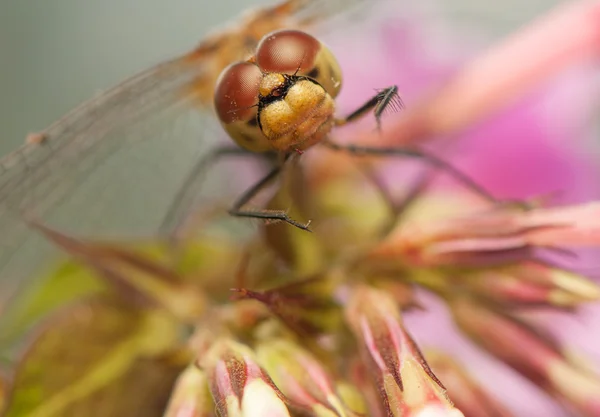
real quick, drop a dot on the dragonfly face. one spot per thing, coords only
(282, 98)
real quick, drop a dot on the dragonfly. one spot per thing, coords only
(282, 100)
(60, 174)
(141, 137)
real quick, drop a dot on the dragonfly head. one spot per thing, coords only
(282, 98)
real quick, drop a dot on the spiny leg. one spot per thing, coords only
(388, 98)
(398, 208)
(385, 99)
(414, 192)
(276, 215)
(415, 153)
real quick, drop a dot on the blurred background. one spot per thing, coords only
(53, 55)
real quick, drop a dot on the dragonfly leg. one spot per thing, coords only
(385, 99)
(431, 159)
(273, 215)
(183, 200)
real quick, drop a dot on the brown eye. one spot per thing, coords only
(286, 51)
(237, 92)
(236, 96)
(296, 52)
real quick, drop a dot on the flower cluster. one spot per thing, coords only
(291, 323)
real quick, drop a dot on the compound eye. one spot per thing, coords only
(296, 52)
(236, 92)
(287, 51)
(236, 98)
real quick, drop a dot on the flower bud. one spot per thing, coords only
(531, 283)
(190, 395)
(404, 380)
(533, 355)
(464, 391)
(239, 386)
(302, 378)
(496, 237)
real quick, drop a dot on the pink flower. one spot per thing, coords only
(518, 115)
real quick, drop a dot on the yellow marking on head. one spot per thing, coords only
(299, 120)
(270, 82)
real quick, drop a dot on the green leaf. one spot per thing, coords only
(97, 358)
(63, 284)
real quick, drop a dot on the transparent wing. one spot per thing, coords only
(119, 154)
(114, 164)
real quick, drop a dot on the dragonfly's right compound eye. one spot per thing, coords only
(236, 104)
